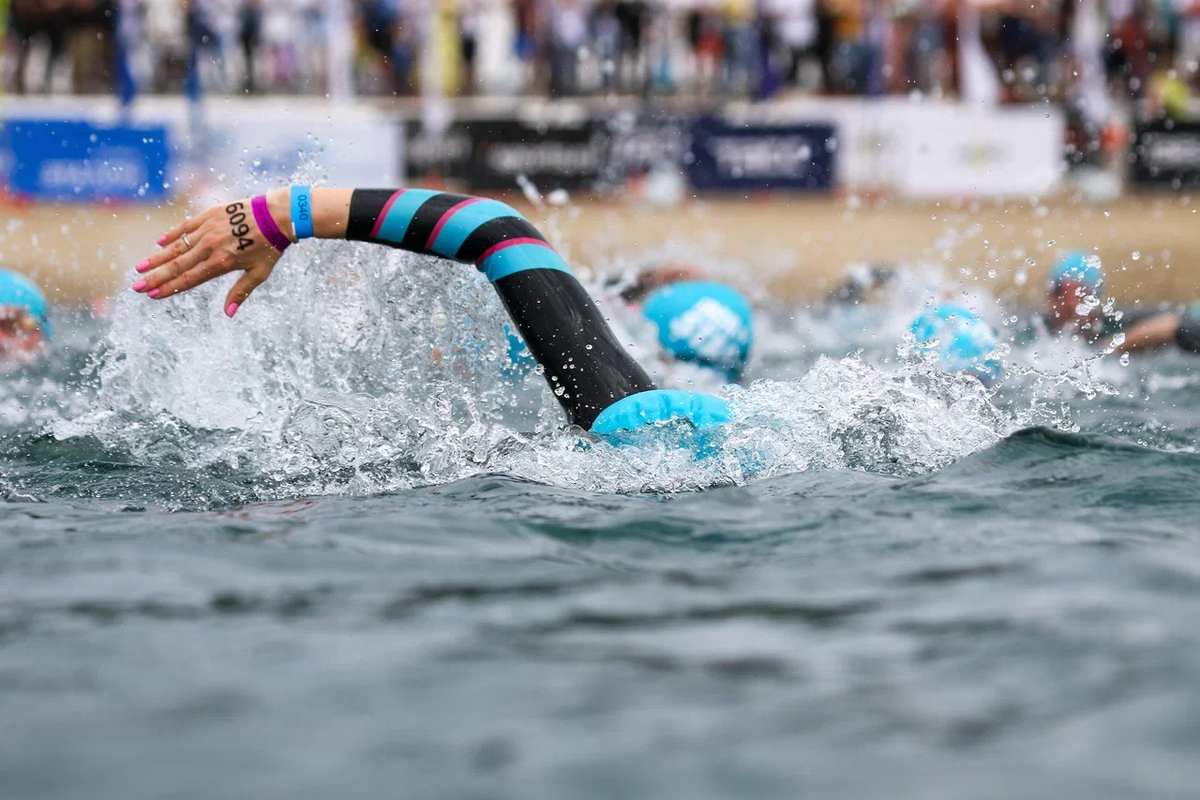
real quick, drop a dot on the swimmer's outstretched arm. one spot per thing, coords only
(1151, 334)
(228, 238)
(584, 363)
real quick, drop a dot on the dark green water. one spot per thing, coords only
(891, 586)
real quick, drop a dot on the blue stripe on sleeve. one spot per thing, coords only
(401, 213)
(520, 257)
(464, 222)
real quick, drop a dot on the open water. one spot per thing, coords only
(328, 550)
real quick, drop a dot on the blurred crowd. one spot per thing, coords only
(1014, 50)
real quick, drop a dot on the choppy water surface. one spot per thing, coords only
(329, 550)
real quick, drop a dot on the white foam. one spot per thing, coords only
(358, 370)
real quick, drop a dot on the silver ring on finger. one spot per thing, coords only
(187, 243)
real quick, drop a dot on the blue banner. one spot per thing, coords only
(757, 157)
(85, 162)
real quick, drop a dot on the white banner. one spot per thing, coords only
(930, 148)
(954, 151)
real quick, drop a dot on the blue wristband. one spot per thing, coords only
(302, 224)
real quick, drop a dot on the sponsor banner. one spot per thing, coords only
(643, 143)
(865, 131)
(240, 146)
(756, 157)
(48, 159)
(1167, 153)
(553, 156)
(430, 156)
(955, 151)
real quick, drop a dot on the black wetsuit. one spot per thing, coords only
(566, 333)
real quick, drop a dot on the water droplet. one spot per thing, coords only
(1137, 254)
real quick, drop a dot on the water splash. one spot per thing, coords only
(357, 370)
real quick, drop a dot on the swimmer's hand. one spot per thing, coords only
(223, 239)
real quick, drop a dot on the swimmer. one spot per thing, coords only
(703, 330)
(961, 340)
(599, 386)
(24, 325)
(699, 322)
(862, 282)
(1075, 306)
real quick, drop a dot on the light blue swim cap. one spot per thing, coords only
(17, 291)
(1078, 266)
(661, 405)
(963, 340)
(703, 322)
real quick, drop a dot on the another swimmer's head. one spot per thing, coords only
(862, 280)
(962, 341)
(647, 280)
(24, 325)
(703, 322)
(1076, 277)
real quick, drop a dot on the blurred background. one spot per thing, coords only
(977, 134)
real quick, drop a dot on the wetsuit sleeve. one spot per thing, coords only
(587, 368)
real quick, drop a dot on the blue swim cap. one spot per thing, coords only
(661, 405)
(962, 339)
(17, 291)
(1078, 266)
(707, 323)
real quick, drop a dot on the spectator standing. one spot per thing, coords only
(708, 48)
(631, 16)
(127, 29)
(387, 34)
(741, 46)
(282, 38)
(250, 39)
(874, 50)
(1188, 49)
(606, 35)
(1128, 55)
(31, 20)
(1029, 36)
(568, 33)
(469, 24)
(795, 24)
(927, 64)
(527, 41)
(660, 50)
(202, 39)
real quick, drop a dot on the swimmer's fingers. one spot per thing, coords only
(189, 225)
(173, 244)
(153, 283)
(187, 279)
(244, 287)
(176, 249)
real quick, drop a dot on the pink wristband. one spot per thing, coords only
(266, 224)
